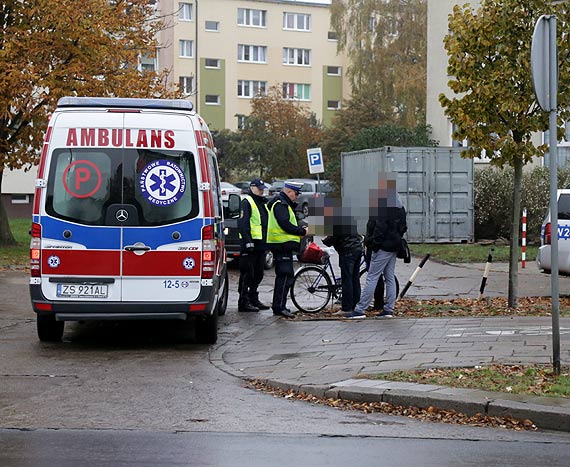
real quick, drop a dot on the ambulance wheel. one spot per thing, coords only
(49, 330)
(223, 300)
(207, 329)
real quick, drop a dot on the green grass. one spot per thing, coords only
(467, 252)
(536, 380)
(17, 255)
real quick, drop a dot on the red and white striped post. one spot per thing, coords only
(523, 238)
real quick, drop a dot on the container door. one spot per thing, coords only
(161, 240)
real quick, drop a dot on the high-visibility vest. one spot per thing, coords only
(275, 233)
(254, 219)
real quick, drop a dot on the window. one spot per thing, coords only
(297, 21)
(212, 99)
(332, 36)
(248, 88)
(186, 84)
(296, 56)
(88, 204)
(252, 53)
(333, 70)
(147, 63)
(185, 11)
(212, 63)
(296, 91)
(241, 119)
(333, 105)
(186, 48)
(20, 199)
(213, 26)
(253, 18)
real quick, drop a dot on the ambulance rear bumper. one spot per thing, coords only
(98, 310)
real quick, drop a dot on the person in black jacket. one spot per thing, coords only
(348, 244)
(252, 226)
(384, 231)
(284, 238)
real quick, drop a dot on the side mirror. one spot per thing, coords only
(234, 205)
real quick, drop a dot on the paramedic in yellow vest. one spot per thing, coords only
(252, 226)
(284, 238)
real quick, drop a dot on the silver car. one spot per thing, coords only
(543, 259)
(311, 189)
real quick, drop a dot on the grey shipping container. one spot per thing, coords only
(434, 184)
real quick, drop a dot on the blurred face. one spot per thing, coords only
(256, 190)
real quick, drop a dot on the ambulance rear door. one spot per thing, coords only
(160, 212)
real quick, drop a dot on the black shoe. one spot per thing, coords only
(249, 308)
(259, 305)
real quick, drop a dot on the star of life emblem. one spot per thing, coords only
(162, 182)
(53, 261)
(188, 263)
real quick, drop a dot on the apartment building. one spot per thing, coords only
(225, 52)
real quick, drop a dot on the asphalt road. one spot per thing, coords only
(145, 394)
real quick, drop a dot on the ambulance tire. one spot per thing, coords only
(207, 329)
(223, 300)
(49, 330)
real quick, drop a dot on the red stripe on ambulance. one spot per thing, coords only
(81, 262)
(161, 263)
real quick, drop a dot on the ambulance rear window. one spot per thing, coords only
(160, 184)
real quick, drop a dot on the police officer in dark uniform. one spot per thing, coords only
(252, 226)
(284, 237)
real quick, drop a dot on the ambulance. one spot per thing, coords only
(127, 217)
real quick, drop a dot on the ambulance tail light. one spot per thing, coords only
(36, 250)
(208, 252)
(547, 234)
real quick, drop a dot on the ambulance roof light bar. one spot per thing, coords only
(124, 102)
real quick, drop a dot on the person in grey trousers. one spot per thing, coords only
(384, 230)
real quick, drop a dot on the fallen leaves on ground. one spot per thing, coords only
(445, 308)
(430, 414)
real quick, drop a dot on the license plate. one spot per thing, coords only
(82, 290)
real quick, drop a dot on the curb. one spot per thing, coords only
(548, 413)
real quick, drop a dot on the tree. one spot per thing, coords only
(53, 48)
(386, 42)
(275, 138)
(494, 106)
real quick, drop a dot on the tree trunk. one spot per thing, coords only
(6, 237)
(514, 245)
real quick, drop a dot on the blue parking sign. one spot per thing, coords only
(316, 164)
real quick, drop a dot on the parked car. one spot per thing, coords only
(276, 187)
(543, 259)
(311, 189)
(228, 188)
(232, 238)
(244, 186)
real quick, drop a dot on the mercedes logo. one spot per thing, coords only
(122, 215)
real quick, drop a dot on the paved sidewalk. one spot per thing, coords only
(324, 357)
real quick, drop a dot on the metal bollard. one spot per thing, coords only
(486, 273)
(413, 276)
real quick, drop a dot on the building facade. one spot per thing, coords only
(225, 52)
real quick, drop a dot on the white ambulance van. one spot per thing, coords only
(127, 217)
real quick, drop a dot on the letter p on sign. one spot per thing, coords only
(316, 164)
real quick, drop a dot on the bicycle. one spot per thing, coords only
(314, 287)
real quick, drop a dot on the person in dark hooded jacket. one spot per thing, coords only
(384, 231)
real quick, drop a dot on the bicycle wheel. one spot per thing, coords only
(312, 289)
(379, 293)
